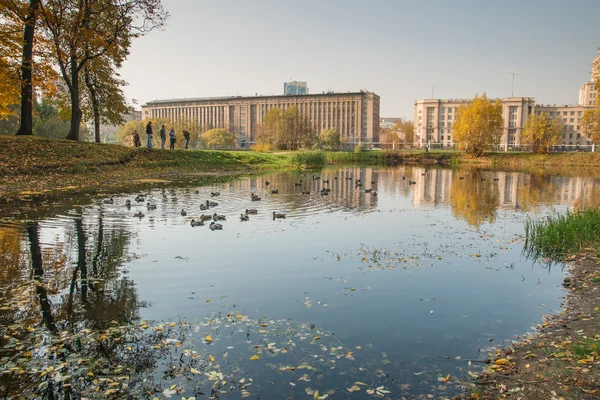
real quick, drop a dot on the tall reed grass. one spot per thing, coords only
(308, 159)
(559, 235)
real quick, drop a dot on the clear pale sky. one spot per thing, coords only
(397, 49)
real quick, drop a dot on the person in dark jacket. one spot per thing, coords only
(136, 139)
(186, 136)
(172, 138)
(163, 137)
(149, 133)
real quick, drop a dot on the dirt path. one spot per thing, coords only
(562, 361)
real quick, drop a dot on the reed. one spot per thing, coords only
(560, 235)
(308, 159)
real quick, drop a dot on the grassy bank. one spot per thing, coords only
(560, 360)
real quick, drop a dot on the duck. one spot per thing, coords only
(275, 191)
(324, 192)
(151, 206)
(358, 184)
(196, 191)
(197, 223)
(298, 183)
(373, 193)
(139, 214)
(254, 197)
(215, 227)
(373, 182)
(316, 178)
(218, 217)
(210, 203)
(278, 215)
(335, 178)
(205, 217)
(461, 177)
(140, 198)
(213, 194)
(403, 178)
(306, 192)
(325, 181)
(267, 183)
(482, 179)
(496, 179)
(183, 212)
(368, 190)
(244, 217)
(203, 207)
(251, 211)
(127, 203)
(109, 201)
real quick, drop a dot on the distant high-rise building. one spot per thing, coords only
(596, 68)
(295, 88)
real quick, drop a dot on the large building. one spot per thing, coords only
(434, 118)
(354, 115)
(295, 88)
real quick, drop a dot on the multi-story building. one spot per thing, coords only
(295, 88)
(355, 115)
(434, 118)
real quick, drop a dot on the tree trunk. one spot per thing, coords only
(75, 102)
(95, 105)
(26, 127)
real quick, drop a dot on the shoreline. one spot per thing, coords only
(562, 359)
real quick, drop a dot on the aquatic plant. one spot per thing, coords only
(558, 235)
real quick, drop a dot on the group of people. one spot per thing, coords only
(163, 137)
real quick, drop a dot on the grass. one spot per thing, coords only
(559, 235)
(589, 347)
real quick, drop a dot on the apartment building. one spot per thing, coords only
(295, 87)
(355, 115)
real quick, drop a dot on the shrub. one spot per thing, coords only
(263, 147)
(360, 148)
(308, 159)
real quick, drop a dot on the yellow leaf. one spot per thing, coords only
(501, 361)
(195, 371)
(447, 378)
(316, 394)
(211, 358)
(239, 316)
(254, 357)
(263, 325)
(527, 365)
(208, 338)
(110, 391)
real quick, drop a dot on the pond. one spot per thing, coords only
(397, 287)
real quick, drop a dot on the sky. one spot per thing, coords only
(400, 50)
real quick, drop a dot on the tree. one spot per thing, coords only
(478, 125)
(106, 100)
(541, 132)
(11, 36)
(218, 138)
(330, 139)
(82, 31)
(409, 132)
(285, 129)
(474, 199)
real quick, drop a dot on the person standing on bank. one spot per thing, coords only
(149, 133)
(136, 139)
(172, 138)
(186, 136)
(163, 137)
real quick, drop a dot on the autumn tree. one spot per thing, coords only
(218, 138)
(106, 103)
(286, 130)
(541, 132)
(408, 128)
(329, 139)
(11, 36)
(83, 30)
(474, 199)
(479, 125)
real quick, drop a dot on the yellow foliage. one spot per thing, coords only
(541, 133)
(474, 199)
(479, 125)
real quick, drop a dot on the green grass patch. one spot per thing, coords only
(559, 235)
(589, 347)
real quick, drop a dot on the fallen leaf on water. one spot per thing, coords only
(254, 357)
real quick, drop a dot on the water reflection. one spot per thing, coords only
(345, 261)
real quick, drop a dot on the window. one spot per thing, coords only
(442, 137)
(512, 116)
(449, 110)
(572, 120)
(449, 117)
(564, 113)
(572, 112)
(579, 113)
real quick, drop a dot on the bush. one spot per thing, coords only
(360, 148)
(263, 147)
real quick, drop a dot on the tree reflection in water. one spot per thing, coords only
(474, 198)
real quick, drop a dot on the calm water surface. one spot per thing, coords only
(352, 294)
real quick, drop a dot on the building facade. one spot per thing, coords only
(295, 88)
(434, 118)
(354, 115)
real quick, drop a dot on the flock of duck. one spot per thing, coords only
(215, 218)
